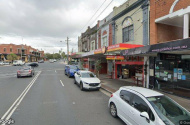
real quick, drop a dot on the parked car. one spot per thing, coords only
(87, 80)
(141, 106)
(34, 64)
(6, 63)
(51, 60)
(1, 63)
(18, 63)
(70, 70)
(25, 71)
(54, 60)
(41, 61)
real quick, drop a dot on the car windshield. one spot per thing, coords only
(168, 110)
(73, 67)
(25, 68)
(87, 75)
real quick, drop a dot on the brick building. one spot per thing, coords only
(23, 52)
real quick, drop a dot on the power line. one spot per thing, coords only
(102, 11)
(93, 15)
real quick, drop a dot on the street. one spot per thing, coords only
(51, 98)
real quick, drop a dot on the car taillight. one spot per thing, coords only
(30, 70)
(18, 72)
(111, 95)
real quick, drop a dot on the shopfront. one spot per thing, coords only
(172, 73)
(168, 66)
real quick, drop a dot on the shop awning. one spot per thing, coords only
(173, 46)
(76, 54)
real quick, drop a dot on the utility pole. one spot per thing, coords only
(67, 49)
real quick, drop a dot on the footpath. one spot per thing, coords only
(112, 85)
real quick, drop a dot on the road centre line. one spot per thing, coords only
(61, 83)
(19, 99)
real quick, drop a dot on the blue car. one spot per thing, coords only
(70, 70)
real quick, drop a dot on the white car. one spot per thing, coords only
(87, 80)
(18, 63)
(1, 63)
(141, 106)
(51, 61)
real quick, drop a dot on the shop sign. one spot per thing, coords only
(115, 57)
(122, 46)
(98, 51)
(101, 50)
(169, 56)
(87, 53)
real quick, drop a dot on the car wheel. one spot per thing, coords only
(69, 75)
(18, 76)
(113, 110)
(65, 73)
(81, 87)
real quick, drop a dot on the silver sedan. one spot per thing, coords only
(25, 71)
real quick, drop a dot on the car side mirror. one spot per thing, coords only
(145, 115)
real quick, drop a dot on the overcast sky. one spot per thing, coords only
(44, 23)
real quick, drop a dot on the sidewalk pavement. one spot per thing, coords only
(112, 85)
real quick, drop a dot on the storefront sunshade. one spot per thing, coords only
(183, 44)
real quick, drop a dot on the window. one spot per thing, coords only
(141, 106)
(126, 95)
(11, 50)
(93, 45)
(128, 34)
(104, 41)
(5, 49)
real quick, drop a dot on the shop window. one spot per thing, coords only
(129, 58)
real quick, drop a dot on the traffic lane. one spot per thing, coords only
(8, 69)
(46, 103)
(91, 107)
(10, 89)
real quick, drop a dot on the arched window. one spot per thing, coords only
(128, 29)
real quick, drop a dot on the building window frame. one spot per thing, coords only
(5, 49)
(128, 33)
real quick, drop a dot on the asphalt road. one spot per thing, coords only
(45, 101)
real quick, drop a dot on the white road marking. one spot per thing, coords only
(55, 70)
(61, 83)
(106, 93)
(13, 107)
(73, 103)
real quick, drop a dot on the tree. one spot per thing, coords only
(63, 55)
(98, 67)
(49, 56)
(56, 56)
(12, 57)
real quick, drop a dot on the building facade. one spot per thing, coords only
(124, 28)
(167, 58)
(23, 52)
